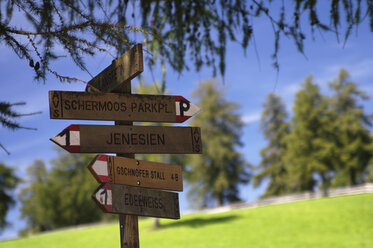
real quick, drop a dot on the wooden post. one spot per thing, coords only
(129, 231)
(128, 224)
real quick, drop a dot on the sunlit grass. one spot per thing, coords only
(331, 222)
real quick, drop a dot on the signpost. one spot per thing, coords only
(119, 107)
(133, 172)
(122, 199)
(128, 185)
(129, 139)
(127, 67)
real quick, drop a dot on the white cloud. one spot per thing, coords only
(252, 117)
(363, 69)
(360, 70)
(290, 89)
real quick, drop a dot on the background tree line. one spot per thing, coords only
(326, 143)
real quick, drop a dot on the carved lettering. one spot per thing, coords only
(136, 139)
(150, 107)
(102, 106)
(139, 200)
(56, 113)
(140, 173)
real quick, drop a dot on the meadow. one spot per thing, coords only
(345, 221)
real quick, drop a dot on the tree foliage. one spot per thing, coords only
(353, 139)
(216, 174)
(309, 145)
(272, 166)
(8, 182)
(328, 142)
(60, 196)
(8, 118)
(177, 31)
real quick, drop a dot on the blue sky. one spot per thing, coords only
(247, 82)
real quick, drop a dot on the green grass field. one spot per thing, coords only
(330, 222)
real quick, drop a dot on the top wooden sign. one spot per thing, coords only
(119, 107)
(127, 67)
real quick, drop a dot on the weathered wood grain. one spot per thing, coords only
(119, 107)
(130, 139)
(123, 69)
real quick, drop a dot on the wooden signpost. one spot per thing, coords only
(129, 139)
(122, 199)
(133, 172)
(121, 70)
(119, 107)
(130, 187)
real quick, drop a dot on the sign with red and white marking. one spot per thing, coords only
(129, 139)
(133, 172)
(103, 197)
(119, 107)
(184, 109)
(69, 139)
(123, 199)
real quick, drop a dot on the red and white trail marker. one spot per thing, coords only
(100, 168)
(69, 139)
(103, 196)
(133, 172)
(184, 109)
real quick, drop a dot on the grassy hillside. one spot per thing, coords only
(331, 222)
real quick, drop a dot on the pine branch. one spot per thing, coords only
(8, 116)
(185, 27)
(60, 77)
(2, 147)
(81, 27)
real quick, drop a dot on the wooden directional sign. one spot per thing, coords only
(120, 170)
(122, 199)
(128, 66)
(129, 139)
(119, 107)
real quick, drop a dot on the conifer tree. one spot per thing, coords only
(61, 196)
(369, 173)
(273, 166)
(216, 174)
(309, 143)
(34, 199)
(353, 139)
(8, 182)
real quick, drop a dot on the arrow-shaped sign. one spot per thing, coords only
(129, 139)
(122, 199)
(125, 68)
(120, 170)
(119, 107)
